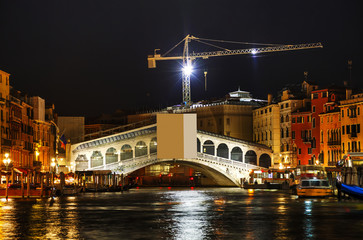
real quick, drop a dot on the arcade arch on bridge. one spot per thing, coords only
(111, 155)
(126, 152)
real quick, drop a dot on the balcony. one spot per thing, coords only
(332, 164)
(6, 142)
(353, 116)
(37, 163)
(307, 140)
(352, 135)
(333, 143)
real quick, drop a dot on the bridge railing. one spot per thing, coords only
(220, 160)
(128, 163)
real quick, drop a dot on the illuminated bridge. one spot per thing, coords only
(224, 159)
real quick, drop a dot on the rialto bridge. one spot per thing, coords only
(225, 160)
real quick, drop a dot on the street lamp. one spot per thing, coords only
(6, 161)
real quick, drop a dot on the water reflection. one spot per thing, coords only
(212, 213)
(190, 215)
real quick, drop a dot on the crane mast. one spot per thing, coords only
(188, 58)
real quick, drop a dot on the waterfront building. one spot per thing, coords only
(21, 131)
(266, 128)
(351, 122)
(330, 136)
(42, 132)
(5, 143)
(231, 116)
(320, 99)
(292, 99)
(301, 136)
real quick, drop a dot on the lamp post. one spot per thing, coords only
(6, 161)
(53, 171)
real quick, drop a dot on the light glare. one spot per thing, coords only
(187, 70)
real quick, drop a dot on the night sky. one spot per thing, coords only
(89, 57)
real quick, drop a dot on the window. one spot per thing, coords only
(313, 122)
(299, 150)
(287, 118)
(358, 128)
(7, 80)
(265, 110)
(313, 108)
(282, 133)
(358, 111)
(282, 106)
(282, 119)
(286, 105)
(343, 130)
(309, 151)
(315, 96)
(321, 120)
(343, 147)
(324, 94)
(287, 132)
(293, 134)
(269, 109)
(342, 112)
(293, 120)
(348, 129)
(321, 136)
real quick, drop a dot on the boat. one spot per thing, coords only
(351, 190)
(314, 187)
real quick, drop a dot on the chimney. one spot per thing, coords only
(269, 98)
(348, 92)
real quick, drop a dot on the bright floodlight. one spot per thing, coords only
(253, 51)
(187, 69)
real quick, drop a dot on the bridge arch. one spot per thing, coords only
(153, 145)
(140, 149)
(208, 147)
(126, 152)
(111, 155)
(265, 161)
(237, 154)
(251, 157)
(222, 150)
(96, 159)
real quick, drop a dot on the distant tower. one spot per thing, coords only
(306, 76)
(350, 63)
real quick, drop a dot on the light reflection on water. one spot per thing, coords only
(212, 213)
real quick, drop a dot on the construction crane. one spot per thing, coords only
(188, 57)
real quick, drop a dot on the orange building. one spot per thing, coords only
(330, 137)
(351, 122)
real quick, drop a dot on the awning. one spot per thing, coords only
(21, 170)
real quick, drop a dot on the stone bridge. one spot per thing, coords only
(224, 159)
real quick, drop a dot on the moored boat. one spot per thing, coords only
(351, 190)
(314, 187)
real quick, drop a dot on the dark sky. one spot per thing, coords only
(89, 57)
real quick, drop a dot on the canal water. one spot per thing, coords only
(206, 213)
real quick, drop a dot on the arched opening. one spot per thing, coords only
(222, 151)
(126, 152)
(96, 159)
(111, 155)
(208, 147)
(140, 149)
(153, 146)
(265, 160)
(198, 145)
(237, 154)
(251, 157)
